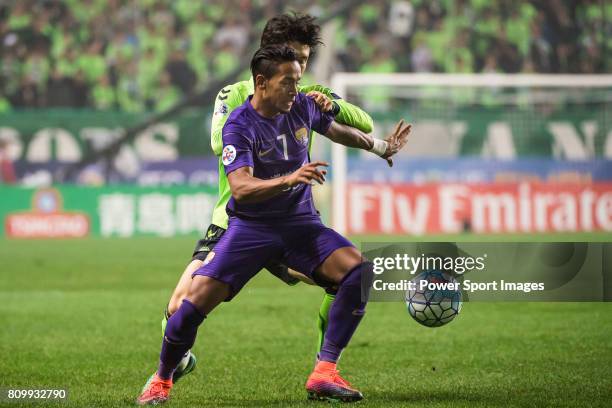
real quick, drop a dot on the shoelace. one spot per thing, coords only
(156, 387)
(337, 379)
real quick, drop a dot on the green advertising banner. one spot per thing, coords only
(123, 211)
(578, 132)
(575, 132)
(67, 135)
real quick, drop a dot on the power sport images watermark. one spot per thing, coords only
(454, 266)
(528, 271)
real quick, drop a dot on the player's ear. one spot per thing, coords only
(260, 81)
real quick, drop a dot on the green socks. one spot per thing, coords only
(164, 321)
(322, 322)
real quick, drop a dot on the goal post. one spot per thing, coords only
(513, 92)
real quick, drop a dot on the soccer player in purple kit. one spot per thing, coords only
(273, 217)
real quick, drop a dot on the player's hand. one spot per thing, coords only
(396, 140)
(322, 101)
(307, 174)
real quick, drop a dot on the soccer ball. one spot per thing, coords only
(433, 307)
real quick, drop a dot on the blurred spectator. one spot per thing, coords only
(36, 67)
(80, 89)
(165, 94)
(130, 97)
(19, 16)
(401, 19)
(91, 62)
(27, 94)
(508, 56)
(120, 47)
(458, 58)
(382, 61)
(517, 27)
(234, 33)
(60, 90)
(422, 60)
(540, 50)
(490, 65)
(103, 94)
(150, 67)
(180, 72)
(110, 54)
(225, 60)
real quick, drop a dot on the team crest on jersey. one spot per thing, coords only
(228, 155)
(302, 136)
(209, 257)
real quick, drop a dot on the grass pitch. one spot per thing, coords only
(84, 315)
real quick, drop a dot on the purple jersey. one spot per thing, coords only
(273, 148)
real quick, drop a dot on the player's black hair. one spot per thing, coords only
(267, 59)
(290, 27)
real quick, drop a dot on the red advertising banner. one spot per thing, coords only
(30, 225)
(47, 219)
(482, 208)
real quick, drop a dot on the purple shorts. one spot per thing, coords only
(248, 245)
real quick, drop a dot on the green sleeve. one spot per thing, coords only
(228, 99)
(349, 114)
(354, 116)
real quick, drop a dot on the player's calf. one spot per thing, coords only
(323, 316)
(187, 363)
(346, 312)
(345, 315)
(179, 337)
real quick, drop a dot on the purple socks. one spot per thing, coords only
(179, 337)
(344, 317)
(346, 312)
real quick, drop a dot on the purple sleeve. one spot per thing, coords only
(319, 121)
(237, 148)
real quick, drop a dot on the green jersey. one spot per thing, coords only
(232, 96)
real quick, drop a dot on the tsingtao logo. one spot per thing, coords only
(47, 219)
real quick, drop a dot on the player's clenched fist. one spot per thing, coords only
(307, 174)
(322, 101)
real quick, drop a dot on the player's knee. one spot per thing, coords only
(357, 274)
(184, 323)
(175, 302)
(182, 288)
(206, 293)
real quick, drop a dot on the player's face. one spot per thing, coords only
(302, 51)
(281, 89)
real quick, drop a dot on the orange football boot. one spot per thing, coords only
(156, 392)
(325, 384)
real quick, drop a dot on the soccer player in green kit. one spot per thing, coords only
(302, 34)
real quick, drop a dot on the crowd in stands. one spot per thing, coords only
(144, 55)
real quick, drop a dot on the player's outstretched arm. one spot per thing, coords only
(353, 137)
(346, 113)
(248, 189)
(387, 148)
(353, 116)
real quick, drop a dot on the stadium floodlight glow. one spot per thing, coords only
(342, 83)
